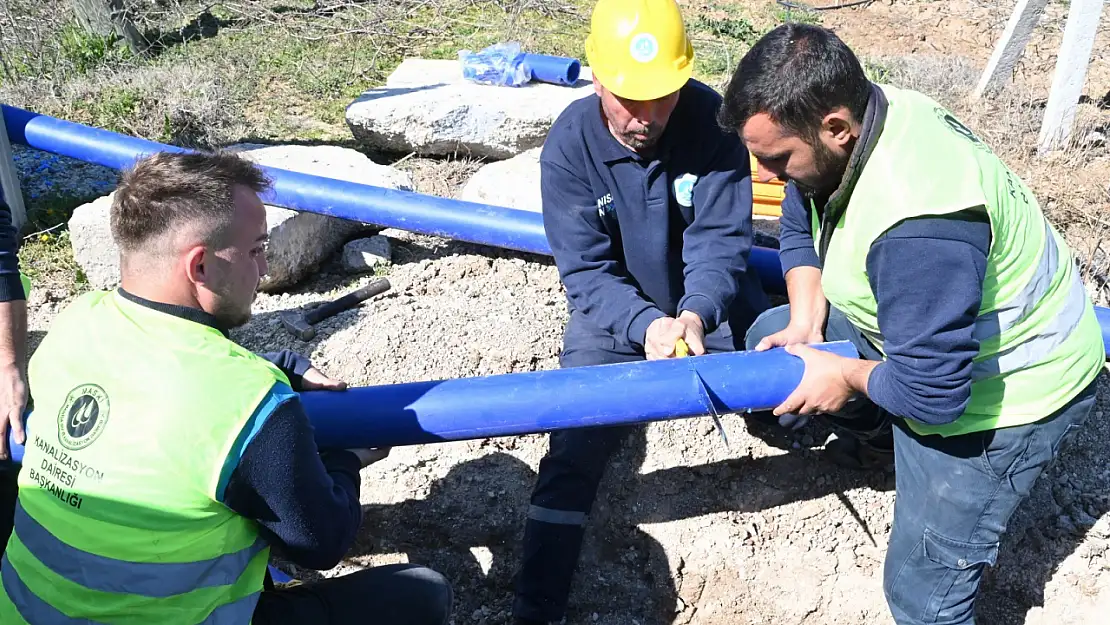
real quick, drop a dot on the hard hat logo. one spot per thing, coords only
(638, 49)
(644, 48)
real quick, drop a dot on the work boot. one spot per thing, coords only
(865, 455)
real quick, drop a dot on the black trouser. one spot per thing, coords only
(569, 476)
(9, 490)
(398, 594)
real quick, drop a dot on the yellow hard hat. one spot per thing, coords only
(638, 49)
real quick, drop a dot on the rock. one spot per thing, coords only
(427, 107)
(514, 183)
(299, 241)
(94, 250)
(363, 255)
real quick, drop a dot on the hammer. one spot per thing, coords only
(301, 323)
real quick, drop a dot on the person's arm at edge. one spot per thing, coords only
(13, 334)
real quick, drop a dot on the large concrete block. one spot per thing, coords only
(427, 107)
(514, 183)
(299, 241)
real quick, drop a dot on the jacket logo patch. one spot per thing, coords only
(684, 189)
(83, 416)
(604, 204)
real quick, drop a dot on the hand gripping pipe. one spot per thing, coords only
(483, 224)
(542, 401)
(554, 69)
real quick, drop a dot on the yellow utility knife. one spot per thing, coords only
(681, 350)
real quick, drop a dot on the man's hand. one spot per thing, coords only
(13, 400)
(695, 332)
(664, 332)
(314, 380)
(791, 335)
(825, 387)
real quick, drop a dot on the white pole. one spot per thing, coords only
(1023, 20)
(1071, 72)
(12, 195)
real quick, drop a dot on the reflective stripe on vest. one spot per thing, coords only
(150, 579)
(1006, 316)
(1039, 347)
(35, 610)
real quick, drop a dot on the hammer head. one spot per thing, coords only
(297, 325)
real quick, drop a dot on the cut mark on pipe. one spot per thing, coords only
(711, 408)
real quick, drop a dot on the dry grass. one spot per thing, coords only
(188, 104)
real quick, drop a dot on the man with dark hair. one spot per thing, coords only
(648, 210)
(164, 460)
(906, 235)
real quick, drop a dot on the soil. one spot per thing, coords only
(685, 530)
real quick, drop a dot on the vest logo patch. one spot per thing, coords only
(959, 128)
(684, 189)
(83, 416)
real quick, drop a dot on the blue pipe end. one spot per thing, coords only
(553, 69)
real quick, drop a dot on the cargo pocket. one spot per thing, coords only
(957, 568)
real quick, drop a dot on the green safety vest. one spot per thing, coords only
(1039, 341)
(118, 518)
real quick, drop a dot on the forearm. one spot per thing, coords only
(292, 364)
(808, 308)
(857, 372)
(13, 334)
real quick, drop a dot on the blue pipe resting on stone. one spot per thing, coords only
(558, 70)
(543, 401)
(483, 224)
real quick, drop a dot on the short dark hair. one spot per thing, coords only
(796, 74)
(167, 190)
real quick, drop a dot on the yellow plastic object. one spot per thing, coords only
(766, 196)
(681, 349)
(638, 49)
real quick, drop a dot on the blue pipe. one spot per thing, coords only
(553, 69)
(542, 401)
(1103, 316)
(483, 224)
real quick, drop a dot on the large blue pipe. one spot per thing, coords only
(497, 226)
(559, 70)
(543, 401)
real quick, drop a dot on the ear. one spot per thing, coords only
(837, 126)
(195, 268)
(598, 89)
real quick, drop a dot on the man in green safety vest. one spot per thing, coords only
(164, 461)
(905, 234)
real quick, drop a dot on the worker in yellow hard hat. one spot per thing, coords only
(648, 211)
